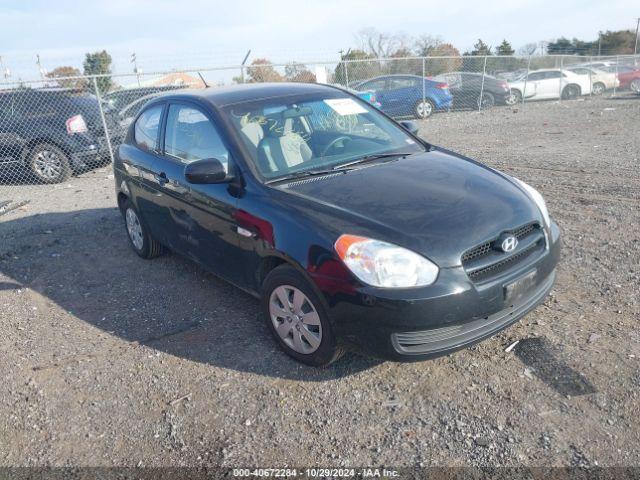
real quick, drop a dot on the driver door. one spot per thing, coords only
(201, 218)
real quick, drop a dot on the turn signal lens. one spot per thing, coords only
(383, 264)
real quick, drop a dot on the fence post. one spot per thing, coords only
(484, 73)
(560, 79)
(424, 87)
(346, 74)
(590, 78)
(103, 118)
(526, 77)
(614, 83)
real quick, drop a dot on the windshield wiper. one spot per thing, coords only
(368, 158)
(305, 173)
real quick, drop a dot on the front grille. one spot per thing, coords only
(504, 265)
(487, 261)
(485, 248)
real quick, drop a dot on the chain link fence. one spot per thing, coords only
(53, 129)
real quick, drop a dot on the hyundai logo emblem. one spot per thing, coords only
(509, 244)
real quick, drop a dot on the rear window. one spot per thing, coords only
(146, 129)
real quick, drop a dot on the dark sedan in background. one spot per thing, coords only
(469, 90)
(349, 228)
(50, 132)
(408, 95)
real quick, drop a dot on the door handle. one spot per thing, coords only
(161, 178)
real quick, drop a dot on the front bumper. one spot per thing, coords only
(453, 313)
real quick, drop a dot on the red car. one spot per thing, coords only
(629, 77)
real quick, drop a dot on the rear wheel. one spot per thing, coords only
(598, 88)
(570, 92)
(486, 101)
(49, 164)
(141, 241)
(514, 97)
(424, 108)
(635, 86)
(297, 318)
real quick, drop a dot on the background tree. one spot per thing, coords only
(436, 66)
(480, 49)
(424, 45)
(99, 63)
(562, 46)
(381, 44)
(67, 71)
(297, 72)
(505, 48)
(620, 42)
(350, 72)
(261, 70)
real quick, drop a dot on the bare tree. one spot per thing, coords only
(424, 45)
(382, 44)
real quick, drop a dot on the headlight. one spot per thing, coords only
(537, 198)
(383, 264)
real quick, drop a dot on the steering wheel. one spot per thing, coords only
(333, 143)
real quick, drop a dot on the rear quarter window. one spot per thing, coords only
(146, 128)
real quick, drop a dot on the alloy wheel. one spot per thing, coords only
(295, 319)
(48, 165)
(134, 228)
(424, 109)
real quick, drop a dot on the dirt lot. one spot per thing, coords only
(108, 359)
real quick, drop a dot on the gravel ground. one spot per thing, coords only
(112, 360)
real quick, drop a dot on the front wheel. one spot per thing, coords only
(424, 108)
(296, 317)
(635, 86)
(49, 164)
(514, 98)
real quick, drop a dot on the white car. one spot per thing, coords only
(600, 80)
(549, 84)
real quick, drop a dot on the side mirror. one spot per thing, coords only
(209, 170)
(410, 126)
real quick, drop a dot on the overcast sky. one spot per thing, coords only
(193, 33)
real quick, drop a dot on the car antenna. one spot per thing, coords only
(206, 85)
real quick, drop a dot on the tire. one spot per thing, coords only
(635, 86)
(297, 318)
(571, 92)
(424, 109)
(514, 98)
(598, 88)
(487, 101)
(139, 238)
(48, 163)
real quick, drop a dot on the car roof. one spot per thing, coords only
(248, 92)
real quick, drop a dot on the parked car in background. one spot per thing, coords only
(549, 84)
(51, 132)
(119, 99)
(408, 95)
(366, 95)
(599, 79)
(629, 77)
(471, 90)
(366, 236)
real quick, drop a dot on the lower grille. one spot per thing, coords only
(487, 260)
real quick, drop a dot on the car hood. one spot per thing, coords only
(436, 203)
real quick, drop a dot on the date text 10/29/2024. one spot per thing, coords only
(316, 472)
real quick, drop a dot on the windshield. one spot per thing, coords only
(292, 135)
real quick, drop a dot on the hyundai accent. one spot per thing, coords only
(351, 230)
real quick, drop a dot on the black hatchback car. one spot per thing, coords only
(473, 90)
(349, 228)
(51, 132)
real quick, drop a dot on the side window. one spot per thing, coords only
(554, 74)
(146, 129)
(536, 76)
(398, 83)
(190, 136)
(374, 85)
